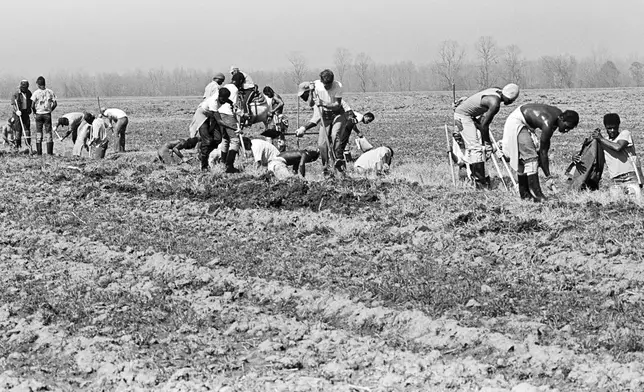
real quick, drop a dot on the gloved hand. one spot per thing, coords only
(300, 131)
(18, 113)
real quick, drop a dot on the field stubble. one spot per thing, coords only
(128, 274)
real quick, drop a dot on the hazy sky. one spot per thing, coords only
(116, 35)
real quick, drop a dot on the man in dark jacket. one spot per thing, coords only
(21, 103)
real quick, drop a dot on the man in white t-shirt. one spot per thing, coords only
(620, 157)
(72, 121)
(377, 160)
(215, 85)
(263, 151)
(99, 138)
(118, 123)
(326, 95)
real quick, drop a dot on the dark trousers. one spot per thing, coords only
(43, 126)
(119, 133)
(17, 128)
(210, 138)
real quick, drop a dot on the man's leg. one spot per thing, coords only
(74, 132)
(528, 167)
(323, 146)
(474, 152)
(119, 134)
(207, 144)
(26, 121)
(17, 132)
(340, 135)
(40, 122)
(233, 149)
(49, 137)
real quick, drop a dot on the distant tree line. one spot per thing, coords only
(481, 64)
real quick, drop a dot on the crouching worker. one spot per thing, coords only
(377, 160)
(620, 157)
(527, 151)
(297, 160)
(263, 151)
(7, 133)
(84, 131)
(71, 121)
(99, 138)
(174, 147)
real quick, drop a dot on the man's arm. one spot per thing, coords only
(54, 104)
(302, 165)
(544, 149)
(280, 104)
(618, 145)
(493, 104)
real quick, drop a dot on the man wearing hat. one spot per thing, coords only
(213, 86)
(528, 151)
(248, 81)
(473, 117)
(22, 98)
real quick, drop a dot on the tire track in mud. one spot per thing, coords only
(273, 333)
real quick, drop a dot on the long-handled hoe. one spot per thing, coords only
(449, 156)
(23, 131)
(507, 168)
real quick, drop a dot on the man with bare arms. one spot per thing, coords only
(527, 150)
(473, 117)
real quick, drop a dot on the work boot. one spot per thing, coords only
(224, 155)
(50, 148)
(38, 148)
(478, 175)
(230, 162)
(524, 189)
(535, 188)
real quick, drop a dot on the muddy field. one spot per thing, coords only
(125, 274)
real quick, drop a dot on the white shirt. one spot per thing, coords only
(211, 103)
(263, 151)
(328, 96)
(371, 158)
(226, 108)
(211, 89)
(98, 132)
(115, 113)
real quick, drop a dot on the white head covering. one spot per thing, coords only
(511, 91)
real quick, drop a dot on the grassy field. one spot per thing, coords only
(127, 274)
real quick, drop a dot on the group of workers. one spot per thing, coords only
(526, 150)
(225, 110)
(219, 119)
(88, 132)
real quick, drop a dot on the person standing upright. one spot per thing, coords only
(21, 103)
(44, 102)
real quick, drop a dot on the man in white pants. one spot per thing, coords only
(473, 117)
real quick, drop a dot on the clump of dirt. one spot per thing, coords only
(244, 192)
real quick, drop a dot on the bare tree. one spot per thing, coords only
(514, 65)
(450, 62)
(363, 66)
(300, 67)
(487, 52)
(559, 70)
(637, 73)
(342, 60)
(609, 75)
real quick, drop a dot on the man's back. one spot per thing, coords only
(472, 105)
